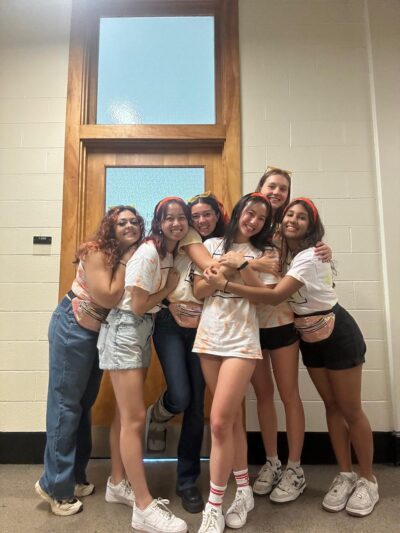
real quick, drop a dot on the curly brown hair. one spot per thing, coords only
(104, 239)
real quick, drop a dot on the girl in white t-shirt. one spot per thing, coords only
(228, 343)
(333, 351)
(124, 348)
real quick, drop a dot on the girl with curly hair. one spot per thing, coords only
(74, 374)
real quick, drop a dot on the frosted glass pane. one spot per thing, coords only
(156, 70)
(143, 187)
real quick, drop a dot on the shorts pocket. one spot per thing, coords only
(101, 341)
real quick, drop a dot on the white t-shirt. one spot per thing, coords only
(318, 293)
(185, 267)
(272, 316)
(229, 325)
(146, 270)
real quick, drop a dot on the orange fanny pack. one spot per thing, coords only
(315, 328)
(186, 315)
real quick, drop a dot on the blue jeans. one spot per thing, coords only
(185, 391)
(74, 381)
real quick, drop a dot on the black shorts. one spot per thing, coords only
(279, 337)
(345, 348)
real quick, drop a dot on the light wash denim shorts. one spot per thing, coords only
(124, 341)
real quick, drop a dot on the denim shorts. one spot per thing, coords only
(124, 341)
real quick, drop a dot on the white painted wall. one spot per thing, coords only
(309, 69)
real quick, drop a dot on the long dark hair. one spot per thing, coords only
(263, 237)
(156, 235)
(104, 239)
(273, 171)
(218, 208)
(315, 231)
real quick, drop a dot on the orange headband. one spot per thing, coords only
(310, 204)
(168, 199)
(259, 195)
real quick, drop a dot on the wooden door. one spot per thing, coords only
(97, 163)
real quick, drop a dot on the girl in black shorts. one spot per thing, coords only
(333, 351)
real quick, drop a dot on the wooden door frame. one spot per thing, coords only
(81, 135)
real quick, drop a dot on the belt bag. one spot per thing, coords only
(186, 315)
(315, 328)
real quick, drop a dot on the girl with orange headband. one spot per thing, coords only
(228, 345)
(332, 348)
(124, 348)
(174, 333)
(280, 348)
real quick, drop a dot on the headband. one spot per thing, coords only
(310, 204)
(208, 194)
(259, 195)
(168, 199)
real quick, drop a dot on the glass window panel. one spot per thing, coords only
(143, 187)
(156, 70)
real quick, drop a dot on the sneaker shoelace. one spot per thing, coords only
(286, 483)
(162, 509)
(339, 484)
(238, 505)
(210, 519)
(362, 490)
(127, 488)
(267, 473)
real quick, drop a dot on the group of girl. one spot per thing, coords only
(222, 315)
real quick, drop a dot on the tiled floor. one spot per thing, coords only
(22, 511)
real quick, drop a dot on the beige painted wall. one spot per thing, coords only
(306, 105)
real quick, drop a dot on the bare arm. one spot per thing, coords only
(199, 254)
(105, 286)
(201, 289)
(142, 301)
(285, 288)
(323, 252)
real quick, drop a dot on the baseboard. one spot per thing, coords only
(318, 450)
(28, 448)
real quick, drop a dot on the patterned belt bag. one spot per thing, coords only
(187, 315)
(315, 328)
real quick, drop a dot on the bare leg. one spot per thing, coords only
(117, 466)
(264, 390)
(285, 363)
(128, 389)
(337, 425)
(346, 387)
(227, 379)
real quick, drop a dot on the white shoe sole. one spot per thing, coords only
(146, 527)
(334, 508)
(113, 499)
(56, 510)
(289, 497)
(361, 512)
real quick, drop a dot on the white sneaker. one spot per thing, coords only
(213, 520)
(236, 515)
(83, 489)
(120, 493)
(290, 486)
(268, 477)
(59, 507)
(364, 498)
(157, 518)
(339, 492)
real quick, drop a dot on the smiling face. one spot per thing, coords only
(204, 219)
(296, 223)
(251, 221)
(174, 225)
(276, 189)
(127, 229)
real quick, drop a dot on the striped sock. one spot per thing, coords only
(216, 496)
(242, 478)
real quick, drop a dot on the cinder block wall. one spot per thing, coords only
(34, 42)
(306, 106)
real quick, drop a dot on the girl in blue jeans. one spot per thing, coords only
(74, 374)
(174, 334)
